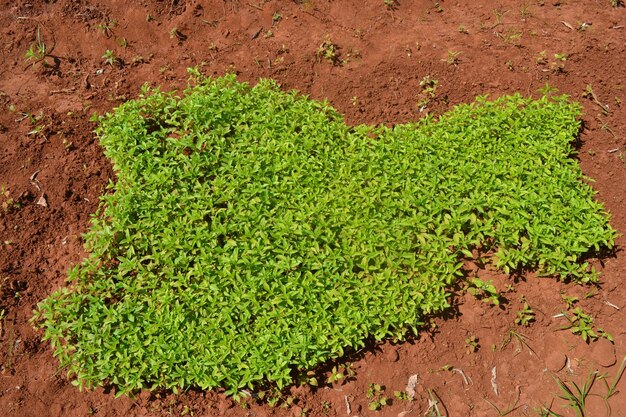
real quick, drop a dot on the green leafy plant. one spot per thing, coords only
(428, 92)
(376, 397)
(38, 50)
(570, 301)
(340, 373)
(525, 316)
(328, 51)
(111, 58)
(391, 4)
(472, 344)
(251, 235)
(484, 290)
(453, 58)
(581, 323)
(106, 26)
(402, 396)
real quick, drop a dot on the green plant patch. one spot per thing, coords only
(250, 233)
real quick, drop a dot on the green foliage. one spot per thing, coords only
(472, 344)
(110, 58)
(576, 395)
(38, 50)
(376, 397)
(402, 396)
(581, 323)
(484, 290)
(525, 316)
(251, 233)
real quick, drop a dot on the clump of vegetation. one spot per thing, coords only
(525, 316)
(428, 91)
(376, 397)
(328, 51)
(251, 233)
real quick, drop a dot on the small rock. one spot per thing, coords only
(42, 201)
(604, 353)
(555, 361)
(410, 386)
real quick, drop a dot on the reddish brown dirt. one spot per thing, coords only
(47, 150)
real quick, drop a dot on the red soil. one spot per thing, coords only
(47, 149)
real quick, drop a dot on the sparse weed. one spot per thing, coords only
(525, 316)
(429, 91)
(569, 301)
(575, 395)
(510, 408)
(581, 323)
(452, 58)
(484, 290)
(433, 405)
(106, 27)
(328, 51)
(376, 397)
(111, 58)
(391, 4)
(175, 33)
(38, 50)
(472, 344)
(521, 339)
(511, 36)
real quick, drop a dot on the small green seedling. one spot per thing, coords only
(433, 405)
(452, 58)
(375, 393)
(581, 323)
(175, 33)
(429, 91)
(484, 290)
(525, 316)
(340, 373)
(111, 58)
(402, 396)
(521, 339)
(570, 301)
(472, 344)
(38, 50)
(106, 27)
(575, 395)
(328, 51)
(391, 4)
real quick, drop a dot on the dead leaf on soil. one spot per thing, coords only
(494, 383)
(410, 386)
